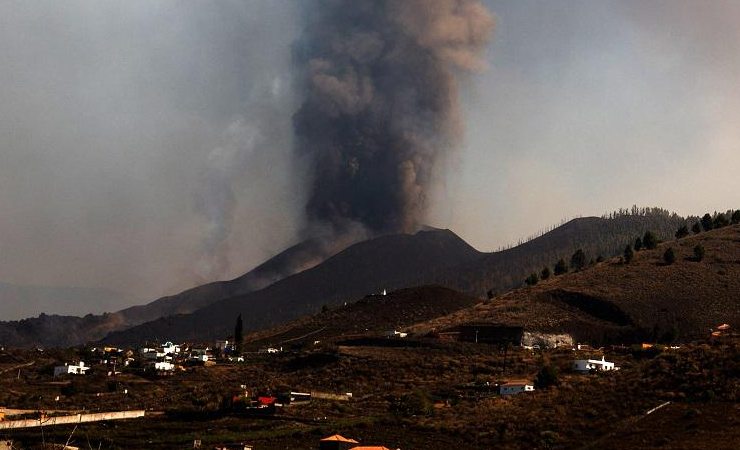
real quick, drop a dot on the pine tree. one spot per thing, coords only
(239, 334)
(669, 256)
(706, 222)
(578, 260)
(638, 244)
(699, 252)
(561, 267)
(682, 232)
(532, 279)
(696, 228)
(736, 217)
(545, 274)
(720, 221)
(628, 254)
(649, 240)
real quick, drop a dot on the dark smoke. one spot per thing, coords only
(381, 104)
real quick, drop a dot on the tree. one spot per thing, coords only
(707, 222)
(545, 274)
(546, 377)
(669, 256)
(638, 244)
(720, 221)
(736, 217)
(239, 334)
(682, 232)
(698, 252)
(599, 259)
(696, 228)
(649, 240)
(578, 260)
(560, 267)
(628, 254)
(532, 279)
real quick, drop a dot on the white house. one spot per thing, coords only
(515, 387)
(163, 366)
(170, 349)
(587, 365)
(78, 369)
(395, 334)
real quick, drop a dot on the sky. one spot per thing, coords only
(145, 146)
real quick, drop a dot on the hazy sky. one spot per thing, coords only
(145, 146)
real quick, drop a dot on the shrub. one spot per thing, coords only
(669, 256)
(696, 228)
(560, 267)
(682, 232)
(628, 254)
(735, 217)
(532, 279)
(546, 377)
(649, 240)
(699, 252)
(720, 221)
(638, 244)
(578, 260)
(545, 274)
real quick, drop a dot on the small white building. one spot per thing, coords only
(164, 366)
(72, 369)
(390, 334)
(515, 387)
(170, 349)
(587, 365)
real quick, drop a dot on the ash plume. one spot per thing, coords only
(381, 104)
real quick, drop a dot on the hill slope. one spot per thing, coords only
(646, 299)
(393, 262)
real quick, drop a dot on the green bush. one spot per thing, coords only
(669, 256)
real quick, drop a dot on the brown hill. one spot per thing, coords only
(373, 315)
(645, 299)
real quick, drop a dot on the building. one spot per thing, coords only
(164, 366)
(515, 387)
(391, 334)
(337, 442)
(71, 369)
(588, 365)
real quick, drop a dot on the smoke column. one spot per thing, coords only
(381, 104)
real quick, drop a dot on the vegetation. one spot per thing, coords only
(545, 274)
(682, 232)
(649, 240)
(560, 267)
(532, 279)
(239, 334)
(735, 217)
(669, 256)
(720, 220)
(628, 254)
(696, 228)
(638, 244)
(699, 252)
(578, 260)
(546, 377)
(707, 223)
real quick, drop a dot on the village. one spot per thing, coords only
(318, 385)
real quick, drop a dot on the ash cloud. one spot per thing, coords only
(380, 105)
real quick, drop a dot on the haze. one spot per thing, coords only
(145, 147)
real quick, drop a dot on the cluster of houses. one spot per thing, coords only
(162, 359)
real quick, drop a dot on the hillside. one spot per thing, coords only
(645, 299)
(388, 262)
(394, 262)
(372, 315)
